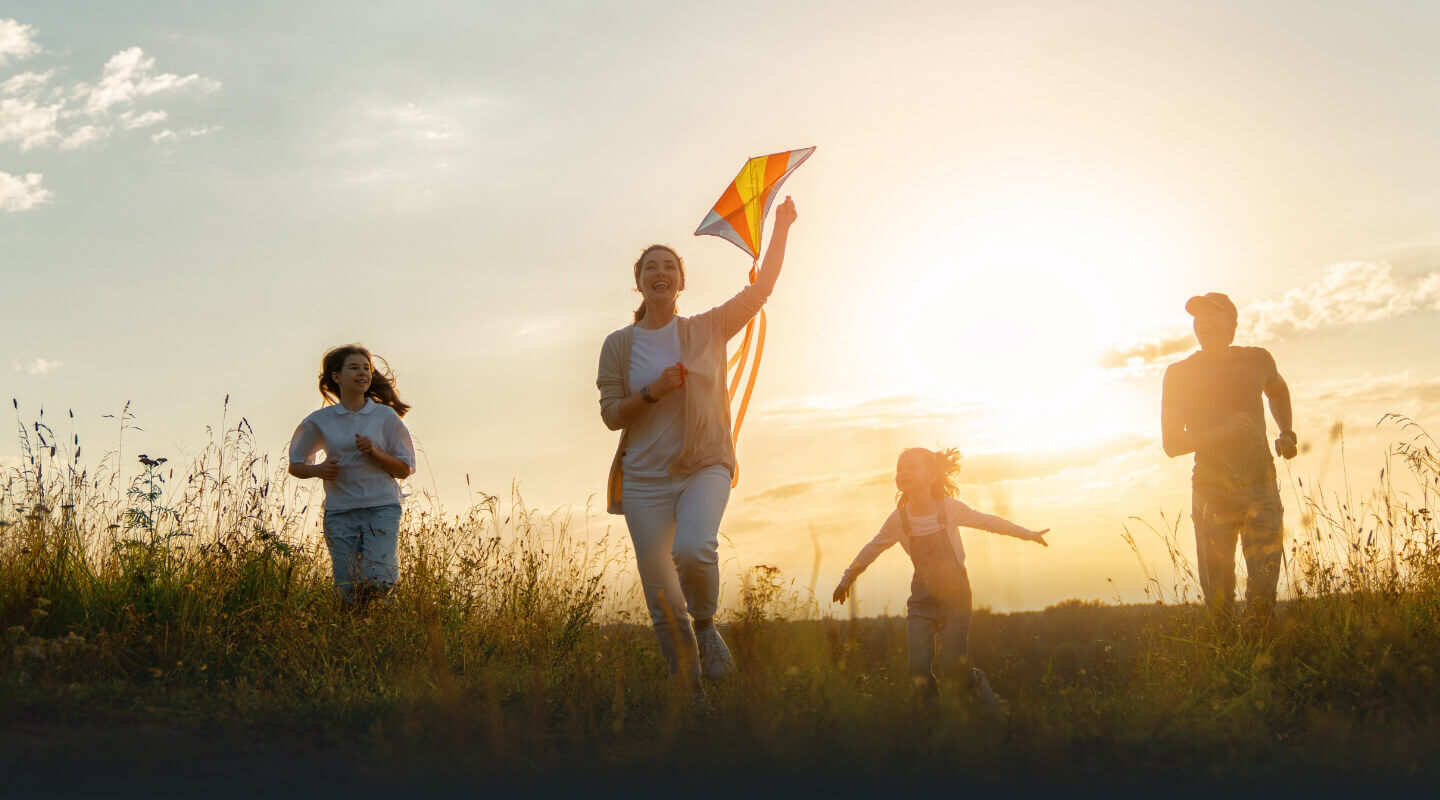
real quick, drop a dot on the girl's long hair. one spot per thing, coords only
(382, 381)
(945, 465)
(640, 312)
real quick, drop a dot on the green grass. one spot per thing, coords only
(194, 600)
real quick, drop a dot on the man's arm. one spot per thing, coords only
(1278, 392)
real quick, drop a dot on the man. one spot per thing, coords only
(1211, 407)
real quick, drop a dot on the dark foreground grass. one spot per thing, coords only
(184, 633)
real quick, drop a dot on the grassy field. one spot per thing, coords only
(183, 624)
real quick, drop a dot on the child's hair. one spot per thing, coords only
(640, 262)
(945, 464)
(382, 381)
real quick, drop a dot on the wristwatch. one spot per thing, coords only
(649, 398)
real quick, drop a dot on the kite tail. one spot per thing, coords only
(740, 358)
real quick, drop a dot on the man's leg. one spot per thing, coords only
(1217, 527)
(1263, 541)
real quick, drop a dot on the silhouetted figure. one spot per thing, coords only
(1211, 406)
(926, 523)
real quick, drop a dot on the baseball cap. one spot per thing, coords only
(1211, 301)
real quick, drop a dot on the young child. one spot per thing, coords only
(925, 524)
(367, 453)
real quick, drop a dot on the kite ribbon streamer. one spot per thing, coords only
(737, 364)
(739, 218)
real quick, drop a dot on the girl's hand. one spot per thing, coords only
(785, 215)
(840, 593)
(671, 379)
(1040, 537)
(364, 445)
(328, 470)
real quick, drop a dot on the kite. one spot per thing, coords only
(739, 218)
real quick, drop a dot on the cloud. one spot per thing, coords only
(1147, 352)
(83, 136)
(1347, 294)
(130, 120)
(35, 114)
(1351, 293)
(27, 116)
(16, 41)
(22, 193)
(39, 366)
(168, 135)
(130, 75)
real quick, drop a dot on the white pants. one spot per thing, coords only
(675, 525)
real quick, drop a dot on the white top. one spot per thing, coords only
(656, 439)
(957, 514)
(362, 483)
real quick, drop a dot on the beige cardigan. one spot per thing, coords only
(707, 405)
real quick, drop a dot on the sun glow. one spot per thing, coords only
(1014, 307)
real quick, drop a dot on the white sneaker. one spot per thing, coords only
(715, 661)
(983, 693)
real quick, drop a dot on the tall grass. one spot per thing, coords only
(201, 595)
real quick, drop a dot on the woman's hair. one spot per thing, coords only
(382, 381)
(945, 468)
(639, 262)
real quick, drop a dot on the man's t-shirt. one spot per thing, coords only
(1204, 391)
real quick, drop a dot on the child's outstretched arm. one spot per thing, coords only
(871, 551)
(961, 514)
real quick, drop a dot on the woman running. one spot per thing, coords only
(662, 384)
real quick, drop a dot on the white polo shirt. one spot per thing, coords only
(362, 483)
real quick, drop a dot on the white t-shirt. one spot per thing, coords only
(924, 526)
(655, 440)
(362, 483)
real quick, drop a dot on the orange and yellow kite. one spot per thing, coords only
(739, 217)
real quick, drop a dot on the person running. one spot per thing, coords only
(1211, 407)
(662, 384)
(367, 453)
(926, 524)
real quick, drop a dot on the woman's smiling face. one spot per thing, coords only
(660, 278)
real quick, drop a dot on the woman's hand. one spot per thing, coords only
(785, 215)
(672, 378)
(1039, 537)
(841, 591)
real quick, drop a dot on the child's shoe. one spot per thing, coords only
(984, 695)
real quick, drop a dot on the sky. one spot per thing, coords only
(1008, 206)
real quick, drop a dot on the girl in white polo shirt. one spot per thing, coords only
(367, 453)
(926, 523)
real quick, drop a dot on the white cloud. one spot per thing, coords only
(130, 75)
(22, 193)
(1347, 294)
(28, 121)
(39, 366)
(168, 135)
(130, 120)
(34, 114)
(25, 82)
(83, 136)
(1351, 293)
(426, 124)
(16, 41)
